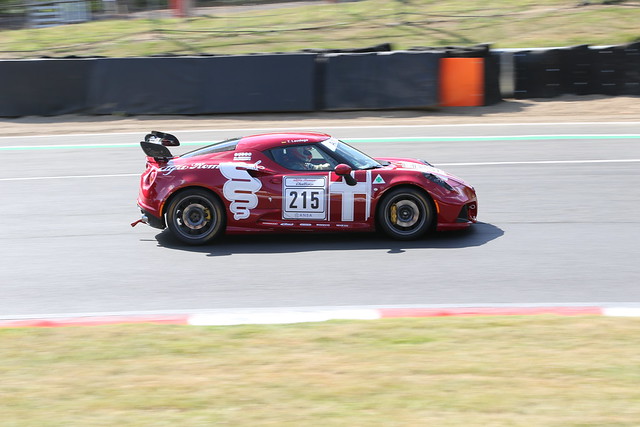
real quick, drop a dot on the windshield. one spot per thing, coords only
(355, 158)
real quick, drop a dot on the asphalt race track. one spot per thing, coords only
(558, 204)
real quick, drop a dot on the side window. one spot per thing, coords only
(303, 157)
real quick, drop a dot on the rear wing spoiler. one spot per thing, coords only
(155, 145)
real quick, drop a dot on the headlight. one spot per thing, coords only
(437, 180)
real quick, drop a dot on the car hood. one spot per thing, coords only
(421, 166)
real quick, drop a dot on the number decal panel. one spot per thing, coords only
(304, 197)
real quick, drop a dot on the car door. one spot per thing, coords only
(350, 204)
(319, 197)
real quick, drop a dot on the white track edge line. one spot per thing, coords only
(269, 129)
(33, 178)
(244, 310)
(354, 140)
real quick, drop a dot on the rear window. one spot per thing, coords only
(218, 147)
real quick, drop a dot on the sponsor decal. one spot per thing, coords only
(411, 165)
(249, 166)
(167, 170)
(445, 176)
(303, 215)
(423, 167)
(378, 180)
(303, 181)
(331, 144)
(242, 156)
(240, 189)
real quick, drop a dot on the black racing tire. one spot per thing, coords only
(196, 216)
(406, 214)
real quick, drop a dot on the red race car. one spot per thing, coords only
(295, 182)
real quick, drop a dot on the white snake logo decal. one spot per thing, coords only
(240, 189)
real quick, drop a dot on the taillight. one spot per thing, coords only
(149, 176)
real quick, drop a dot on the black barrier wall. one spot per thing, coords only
(538, 74)
(387, 80)
(181, 85)
(145, 86)
(44, 87)
(260, 83)
(220, 84)
(579, 70)
(631, 73)
(372, 78)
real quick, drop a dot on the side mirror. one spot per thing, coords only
(345, 172)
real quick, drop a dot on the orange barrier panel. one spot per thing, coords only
(461, 82)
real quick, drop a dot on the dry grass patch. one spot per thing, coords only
(328, 25)
(541, 371)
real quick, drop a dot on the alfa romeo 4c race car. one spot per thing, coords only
(284, 182)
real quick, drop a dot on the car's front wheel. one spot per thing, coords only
(405, 214)
(196, 216)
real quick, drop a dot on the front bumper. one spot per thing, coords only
(466, 217)
(456, 216)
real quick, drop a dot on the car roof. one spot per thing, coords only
(266, 141)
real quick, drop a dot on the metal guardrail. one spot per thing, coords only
(58, 12)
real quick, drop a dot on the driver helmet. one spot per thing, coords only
(303, 154)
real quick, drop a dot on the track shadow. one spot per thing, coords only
(477, 235)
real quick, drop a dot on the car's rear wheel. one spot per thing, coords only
(406, 214)
(196, 216)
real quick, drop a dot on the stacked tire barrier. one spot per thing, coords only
(468, 76)
(314, 80)
(579, 70)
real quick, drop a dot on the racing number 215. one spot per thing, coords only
(305, 200)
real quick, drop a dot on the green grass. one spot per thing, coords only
(485, 371)
(328, 25)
